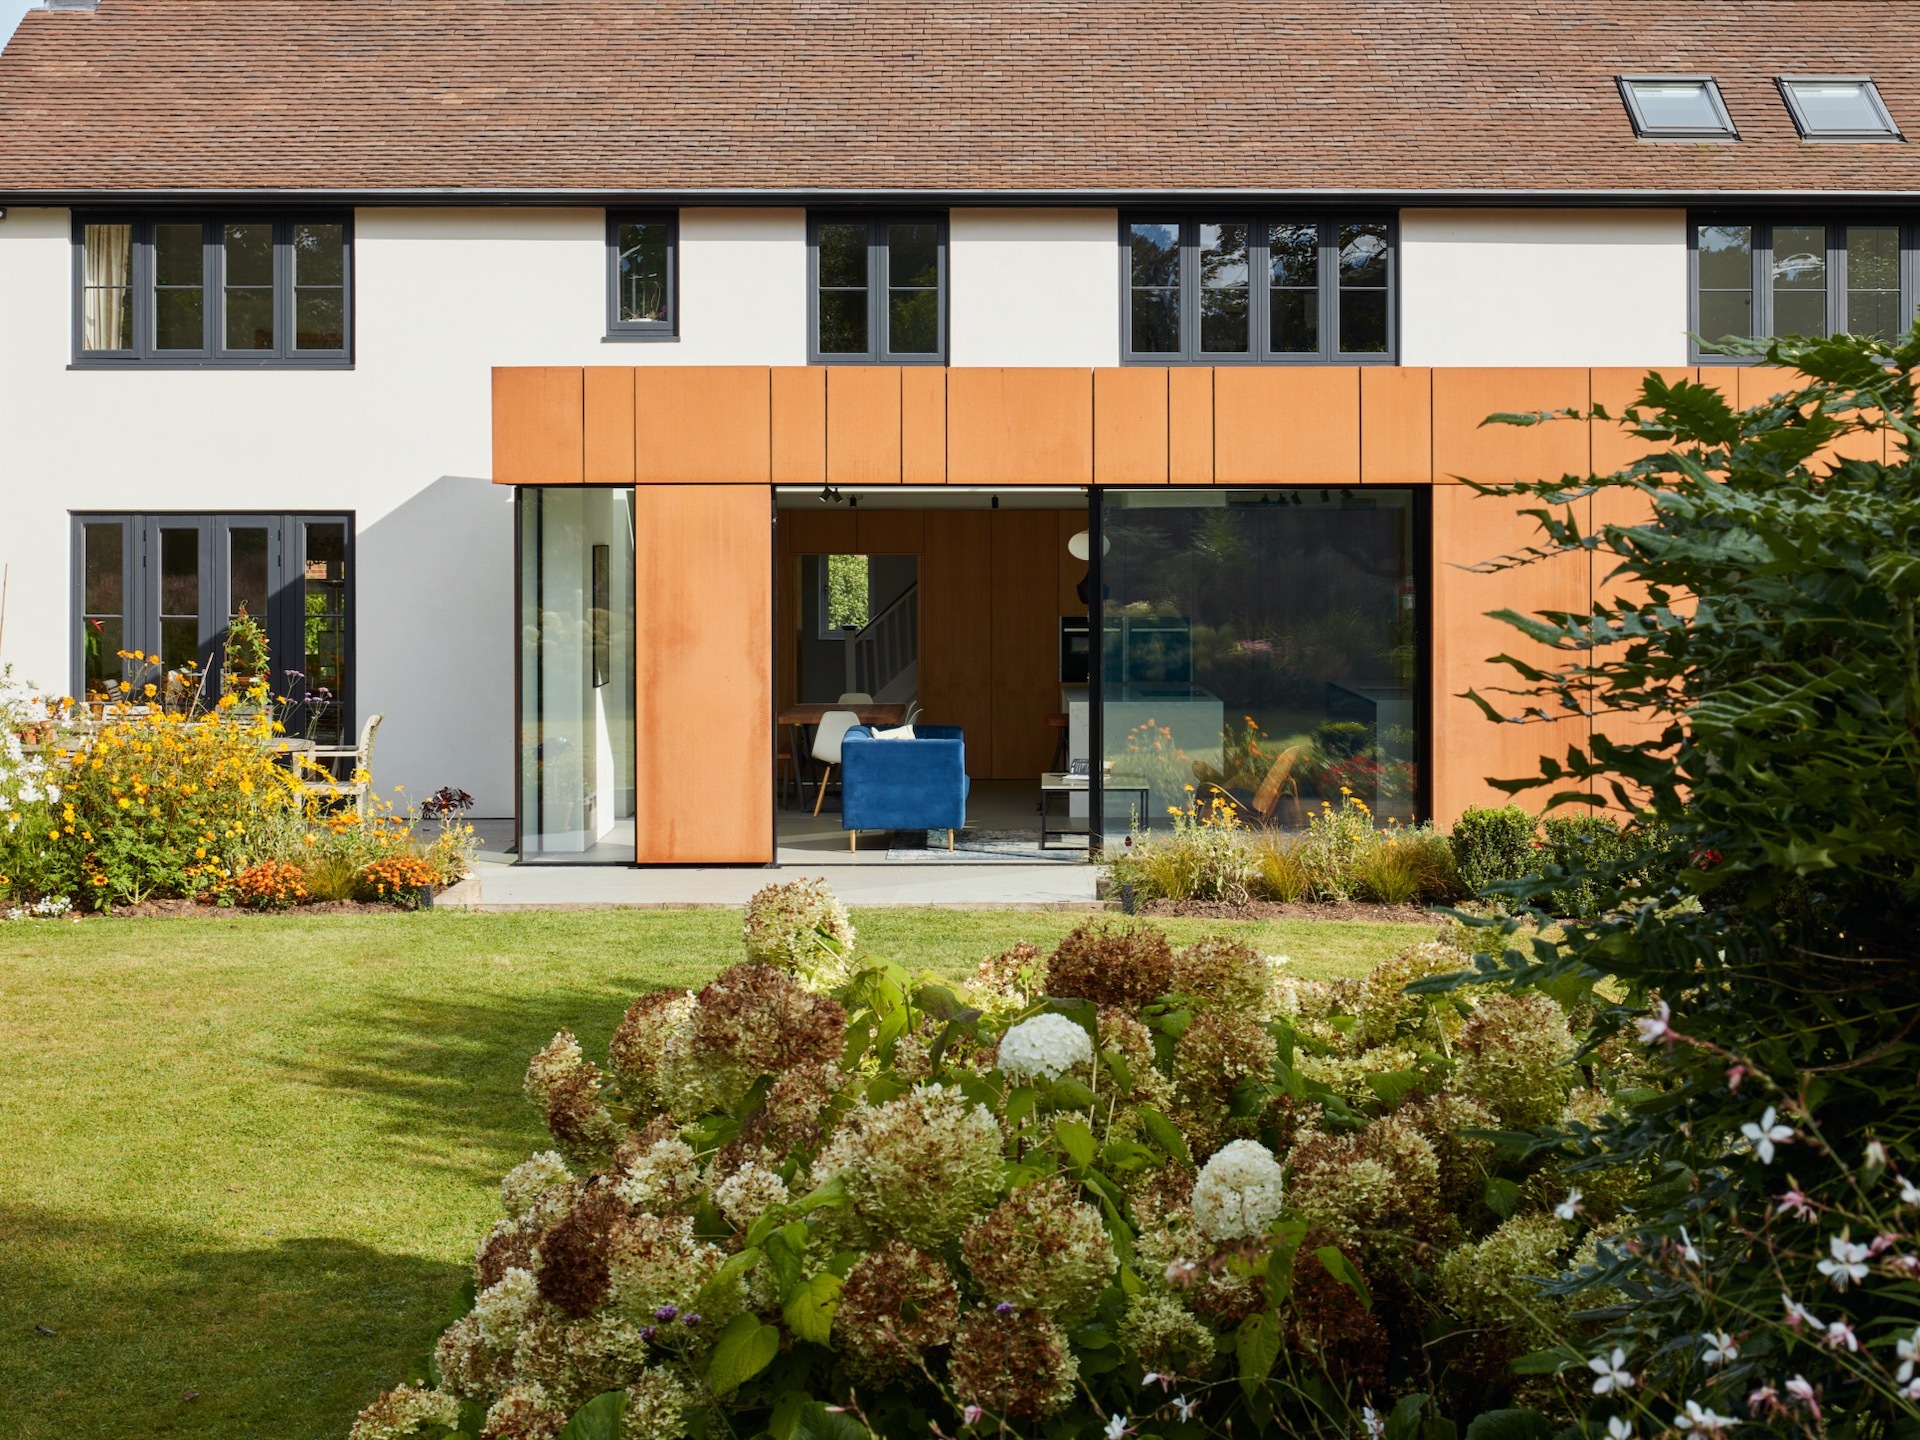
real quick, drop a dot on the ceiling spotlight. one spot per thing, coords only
(996, 502)
(853, 502)
(829, 495)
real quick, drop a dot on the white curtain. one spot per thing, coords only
(108, 315)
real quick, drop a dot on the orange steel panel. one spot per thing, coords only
(890, 532)
(1495, 454)
(799, 424)
(1019, 427)
(703, 709)
(923, 424)
(1286, 426)
(704, 425)
(1190, 426)
(863, 424)
(539, 425)
(1396, 425)
(1759, 383)
(609, 425)
(1469, 528)
(1614, 389)
(1130, 426)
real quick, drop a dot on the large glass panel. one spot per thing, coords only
(323, 600)
(1293, 288)
(104, 601)
(1873, 280)
(576, 674)
(1225, 285)
(843, 288)
(1725, 257)
(913, 288)
(247, 572)
(106, 308)
(1259, 647)
(179, 597)
(1799, 280)
(1839, 108)
(1363, 287)
(1154, 279)
(1678, 107)
(179, 287)
(643, 277)
(319, 286)
(247, 255)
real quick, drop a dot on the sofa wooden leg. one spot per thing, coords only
(949, 837)
(853, 840)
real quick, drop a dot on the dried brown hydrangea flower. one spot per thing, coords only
(1219, 971)
(1126, 965)
(754, 1020)
(566, 1087)
(1327, 1319)
(1041, 1248)
(1218, 1050)
(639, 1042)
(898, 1304)
(1013, 1363)
(571, 1263)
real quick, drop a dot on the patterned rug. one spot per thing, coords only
(987, 845)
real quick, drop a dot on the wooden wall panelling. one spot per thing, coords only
(1070, 523)
(1495, 454)
(608, 411)
(1286, 425)
(863, 424)
(539, 425)
(1469, 528)
(956, 657)
(1396, 425)
(798, 423)
(1190, 425)
(703, 600)
(923, 424)
(1026, 627)
(786, 634)
(1019, 427)
(819, 530)
(1130, 426)
(703, 425)
(890, 532)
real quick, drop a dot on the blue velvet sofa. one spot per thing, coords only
(917, 784)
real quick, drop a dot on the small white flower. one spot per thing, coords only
(1909, 1192)
(1911, 1391)
(1570, 1206)
(1698, 1417)
(1655, 1027)
(1610, 1372)
(1046, 1046)
(1687, 1252)
(1116, 1423)
(1798, 1314)
(1876, 1155)
(1185, 1406)
(1909, 1352)
(1152, 1377)
(1767, 1134)
(1801, 1389)
(1720, 1349)
(1376, 1427)
(1618, 1428)
(1847, 1262)
(1840, 1336)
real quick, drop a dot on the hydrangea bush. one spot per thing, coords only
(1119, 1189)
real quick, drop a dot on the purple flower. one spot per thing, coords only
(647, 1332)
(1005, 1307)
(693, 1319)
(667, 1313)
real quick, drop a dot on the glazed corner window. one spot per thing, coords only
(1798, 276)
(1837, 108)
(1260, 289)
(254, 290)
(1676, 107)
(643, 276)
(878, 288)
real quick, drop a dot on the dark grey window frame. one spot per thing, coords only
(1890, 135)
(876, 222)
(1643, 130)
(143, 355)
(139, 581)
(1259, 317)
(643, 330)
(1762, 223)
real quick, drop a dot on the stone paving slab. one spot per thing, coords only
(561, 887)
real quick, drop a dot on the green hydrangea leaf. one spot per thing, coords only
(1393, 1086)
(1509, 1425)
(598, 1419)
(726, 1276)
(744, 1349)
(1258, 1345)
(817, 1422)
(809, 1307)
(1342, 1270)
(1501, 1196)
(1077, 1140)
(1164, 1134)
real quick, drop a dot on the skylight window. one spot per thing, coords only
(1837, 108)
(1676, 107)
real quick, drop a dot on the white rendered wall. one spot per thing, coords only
(1034, 287)
(1543, 287)
(402, 441)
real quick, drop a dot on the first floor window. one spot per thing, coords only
(1799, 275)
(199, 290)
(879, 288)
(154, 596)
(643, 257)
(1273, 288)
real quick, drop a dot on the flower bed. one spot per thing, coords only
(1116, 1189)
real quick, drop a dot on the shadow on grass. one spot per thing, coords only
(288, 1338)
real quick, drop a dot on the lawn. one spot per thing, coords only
(246, 1160)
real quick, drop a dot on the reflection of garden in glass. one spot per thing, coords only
(1264, 643)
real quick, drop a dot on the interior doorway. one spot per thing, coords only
(961, 613)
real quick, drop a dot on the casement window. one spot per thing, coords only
(877, 289)
(1272, 289)
(1799, 275)
(643, 275)
(240, 291)
(168, 586)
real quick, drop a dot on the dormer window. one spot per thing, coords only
(1837, 108)
(1676, 107)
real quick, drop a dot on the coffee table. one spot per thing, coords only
(1055, 782)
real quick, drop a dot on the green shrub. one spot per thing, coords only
(1432, 856)
(1579, 844)
(1342, 739)
(1492, 846)
(1282, 874)
(1387, 872)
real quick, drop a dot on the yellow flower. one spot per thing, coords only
(199, 852)
(125, 687)
(53, 834)
(125, 802)
(152, 690)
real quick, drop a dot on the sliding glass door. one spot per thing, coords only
(1259, 649)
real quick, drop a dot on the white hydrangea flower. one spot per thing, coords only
(748, 1193)
(504, 1307)
(1239, 1193)
(1046, 1046)
(530, 1179)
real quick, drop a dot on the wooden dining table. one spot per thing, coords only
(802, 717)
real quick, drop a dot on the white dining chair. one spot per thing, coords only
(856, 697)
(827, 736)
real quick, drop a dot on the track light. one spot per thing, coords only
(829, 495)
(853, 502)
(996, 502)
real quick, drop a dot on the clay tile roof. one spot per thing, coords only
(943, 96)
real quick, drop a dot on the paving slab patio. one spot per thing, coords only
(560, 887)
